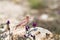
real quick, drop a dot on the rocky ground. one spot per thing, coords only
(15, 11)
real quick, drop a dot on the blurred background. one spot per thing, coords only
(45, 12)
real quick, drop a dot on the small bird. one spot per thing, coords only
(24, 22)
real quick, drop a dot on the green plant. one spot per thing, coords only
(36, 4)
